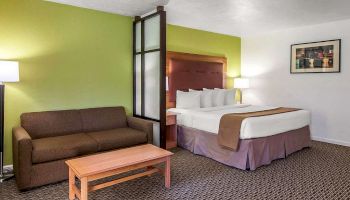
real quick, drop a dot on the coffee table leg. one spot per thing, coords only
(149, 168)
(84, 188)
(167, 172)
(71, 184)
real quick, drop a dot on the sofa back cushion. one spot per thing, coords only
(99, 119)
(51, 123)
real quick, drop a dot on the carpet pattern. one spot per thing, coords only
(319, 172)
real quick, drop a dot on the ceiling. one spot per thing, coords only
(232, 17)
(122, 7)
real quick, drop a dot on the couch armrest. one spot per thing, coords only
(22, 156)
(142, 125)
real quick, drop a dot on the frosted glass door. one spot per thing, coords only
(152, 33)
(149, 50)
(152, 93)
(138, 37)
(138, 87)
(147, 57)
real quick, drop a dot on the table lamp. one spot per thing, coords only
(241, 83)
(167, 83)
(9, 72)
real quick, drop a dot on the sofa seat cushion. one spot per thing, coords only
(118, 138)
(62, 147)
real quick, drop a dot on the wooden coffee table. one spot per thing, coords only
(94, 167)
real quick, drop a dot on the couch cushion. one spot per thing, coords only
(51, 123)
(62, 147)
(99, 119)
(118, 138)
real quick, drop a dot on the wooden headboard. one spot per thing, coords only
(192, 71)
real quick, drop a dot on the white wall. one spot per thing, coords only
(266, 60)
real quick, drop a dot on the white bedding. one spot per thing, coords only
(208, 119)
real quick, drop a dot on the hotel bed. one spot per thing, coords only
(208, 119)
(262, 139)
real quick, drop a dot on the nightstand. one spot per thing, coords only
(171, 130)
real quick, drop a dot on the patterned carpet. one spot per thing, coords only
(319, 172)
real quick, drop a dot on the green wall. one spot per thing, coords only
(188, 40)
(69, 58)
(77, 58)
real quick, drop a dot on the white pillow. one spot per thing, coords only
(188, 99)
(206, 98)
(229, 96)
(218, 96)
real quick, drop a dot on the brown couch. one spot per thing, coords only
(46, 139)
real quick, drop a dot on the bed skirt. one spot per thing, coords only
(251, 154)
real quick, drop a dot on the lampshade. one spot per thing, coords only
(9, 71)
(241, 83)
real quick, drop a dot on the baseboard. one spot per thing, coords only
(332, 141)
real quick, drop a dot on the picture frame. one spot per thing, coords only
(316, 57)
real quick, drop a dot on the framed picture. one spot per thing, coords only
(316, 57)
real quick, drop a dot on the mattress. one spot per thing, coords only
(208, 119)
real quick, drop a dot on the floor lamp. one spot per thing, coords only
(9, 72)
